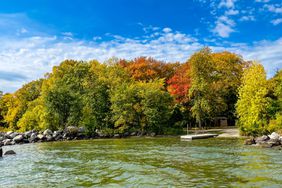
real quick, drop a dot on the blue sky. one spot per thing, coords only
(38, 34)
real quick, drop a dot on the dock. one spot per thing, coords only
(198, 136)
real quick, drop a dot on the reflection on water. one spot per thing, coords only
(142, 162)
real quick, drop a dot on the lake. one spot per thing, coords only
(142, 162)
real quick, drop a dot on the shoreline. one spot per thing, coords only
(74, 133)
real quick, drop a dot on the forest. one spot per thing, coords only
(145, 94)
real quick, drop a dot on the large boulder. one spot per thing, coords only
(27, 134)
(33, 137)
(11, 135)
(71, 131)
(262, 139)
(58, 135)
(41, 137)
(10, 152)
(274, 136)
(7, 142)
(19, 138)
(47, 132)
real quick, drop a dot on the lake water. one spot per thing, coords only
(142, 162)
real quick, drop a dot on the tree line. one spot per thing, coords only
(145, 94)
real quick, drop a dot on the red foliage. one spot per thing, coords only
(179, 84)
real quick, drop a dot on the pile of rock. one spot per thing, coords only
(70, 133)
(268, 141)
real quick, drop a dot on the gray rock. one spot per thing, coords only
(11, 135)
(71, 131)
(18, 138)
(47, 132)
(40, 137)
(274, 136)
(49, 138)
(7, 142)
(2, 138)
(262, 139)
(8, 133)
(133, 134)
(27, 134)
(10, 152)
(33, 137)
(116, 135)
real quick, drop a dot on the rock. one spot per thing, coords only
(49, 138)
(41, 137)
(261, 139)
(18, 138)
(126, 134)
(33, 137)
(133, 134)
(153, 134)
(71, 131)
(10, 152)
(1, 152)
(2, 138)
(116, 136)
(274, 142)
(249, 141)
(57, 135)
(47, 132)
(27, 134)
(7, 142)
(12, 135)
(274, 136)
(8, 134)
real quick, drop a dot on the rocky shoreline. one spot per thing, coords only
(69, 133)
(273, 140)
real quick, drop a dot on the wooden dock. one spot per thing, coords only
(198, 136)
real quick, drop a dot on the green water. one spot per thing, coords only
(142, 162)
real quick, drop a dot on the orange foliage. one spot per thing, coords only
(146, 69)
(179, 84)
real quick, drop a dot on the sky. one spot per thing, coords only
(36, 35)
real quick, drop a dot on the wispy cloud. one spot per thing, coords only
(276, 21)
(224, 26)
(275, 8)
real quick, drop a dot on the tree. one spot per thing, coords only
(253, 102)
(147, 69)
(15, 105)
(202, 76)
(62, 93)
(179, 84)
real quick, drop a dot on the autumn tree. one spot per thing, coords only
(253, 101)
(179, 84)
(147, 69)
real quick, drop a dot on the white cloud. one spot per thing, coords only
(247, 18)
(167, 30)
(231, 12)
(224, 26)
(226, 3)
(262, 1)
(276, 21)
(274, 8)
